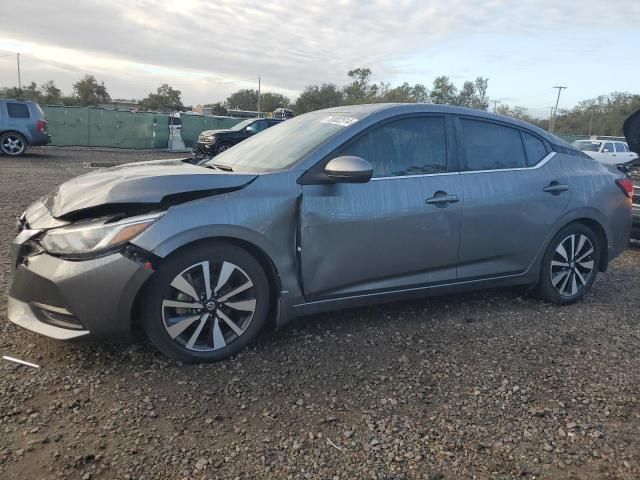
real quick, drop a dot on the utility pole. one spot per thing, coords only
(495, 105)
(555, 111)
(258, 96)
(19, 79)
(590, 122)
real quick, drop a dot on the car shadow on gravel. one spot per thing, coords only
(354, 328)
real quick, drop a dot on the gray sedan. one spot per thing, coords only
(332, 209)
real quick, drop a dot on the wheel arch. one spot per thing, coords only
(265, 261)
(599, 230)
(24, 135)
(225, 141)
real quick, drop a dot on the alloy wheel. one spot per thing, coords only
(572, 264)
(12, 145)
(208, 306)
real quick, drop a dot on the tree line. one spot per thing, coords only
(89, 92)
(603, 115)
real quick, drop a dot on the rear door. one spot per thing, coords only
(513, 195)
(399, 230)
(623, 154)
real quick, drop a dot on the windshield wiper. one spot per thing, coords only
(220, 166)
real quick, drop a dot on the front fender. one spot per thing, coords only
(264, 214)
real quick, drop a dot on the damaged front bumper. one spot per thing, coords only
(90, 299)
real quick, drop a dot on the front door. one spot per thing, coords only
(399, 230)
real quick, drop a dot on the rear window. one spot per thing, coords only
(587, 146)
(490, 146)
(534, 148)
(17, 110)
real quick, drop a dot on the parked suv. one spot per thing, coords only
(213, 142)
(22, 124)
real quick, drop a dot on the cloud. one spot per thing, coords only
(215, 47)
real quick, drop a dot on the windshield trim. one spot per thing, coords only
(246, 123)
(298, 157)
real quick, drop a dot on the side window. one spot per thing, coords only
(259, 126)
(490, 146)
(17, 110)
(410, 146)
(608, 147)
(534, 149)
(620, 147)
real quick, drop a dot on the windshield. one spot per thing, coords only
(284, 144)
(244, 123)
(588, 146)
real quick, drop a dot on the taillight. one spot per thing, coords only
(41, 126)
(626, 185)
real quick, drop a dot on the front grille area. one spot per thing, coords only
(101, 164)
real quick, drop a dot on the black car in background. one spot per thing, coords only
(635, 228)
(631, 129)
(213, 142)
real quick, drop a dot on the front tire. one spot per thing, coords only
(570, 265)
(206, 303)
(13, 144)
(224, 146)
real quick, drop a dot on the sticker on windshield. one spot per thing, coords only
(342, 121)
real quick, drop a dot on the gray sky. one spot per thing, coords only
(208, 49)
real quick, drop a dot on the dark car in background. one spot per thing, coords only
(22, 125)
(631, 129)
(635, 228)
(214, 142)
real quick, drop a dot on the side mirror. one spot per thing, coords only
(349, 169)
(250, 130)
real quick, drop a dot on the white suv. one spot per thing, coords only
(611, 152)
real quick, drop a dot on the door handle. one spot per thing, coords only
(556, 188)
(442, 199)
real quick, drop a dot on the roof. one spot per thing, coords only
(365, 110)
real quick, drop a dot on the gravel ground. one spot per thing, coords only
(483, 385)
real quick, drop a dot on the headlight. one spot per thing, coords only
(208, 138)
(95, 235)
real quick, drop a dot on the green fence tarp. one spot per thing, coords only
(99, 127)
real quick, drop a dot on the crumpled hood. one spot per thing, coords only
(140, 183)
(631, 129)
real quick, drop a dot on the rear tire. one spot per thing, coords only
(13, 144)
(206, 303)
(570, 265)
